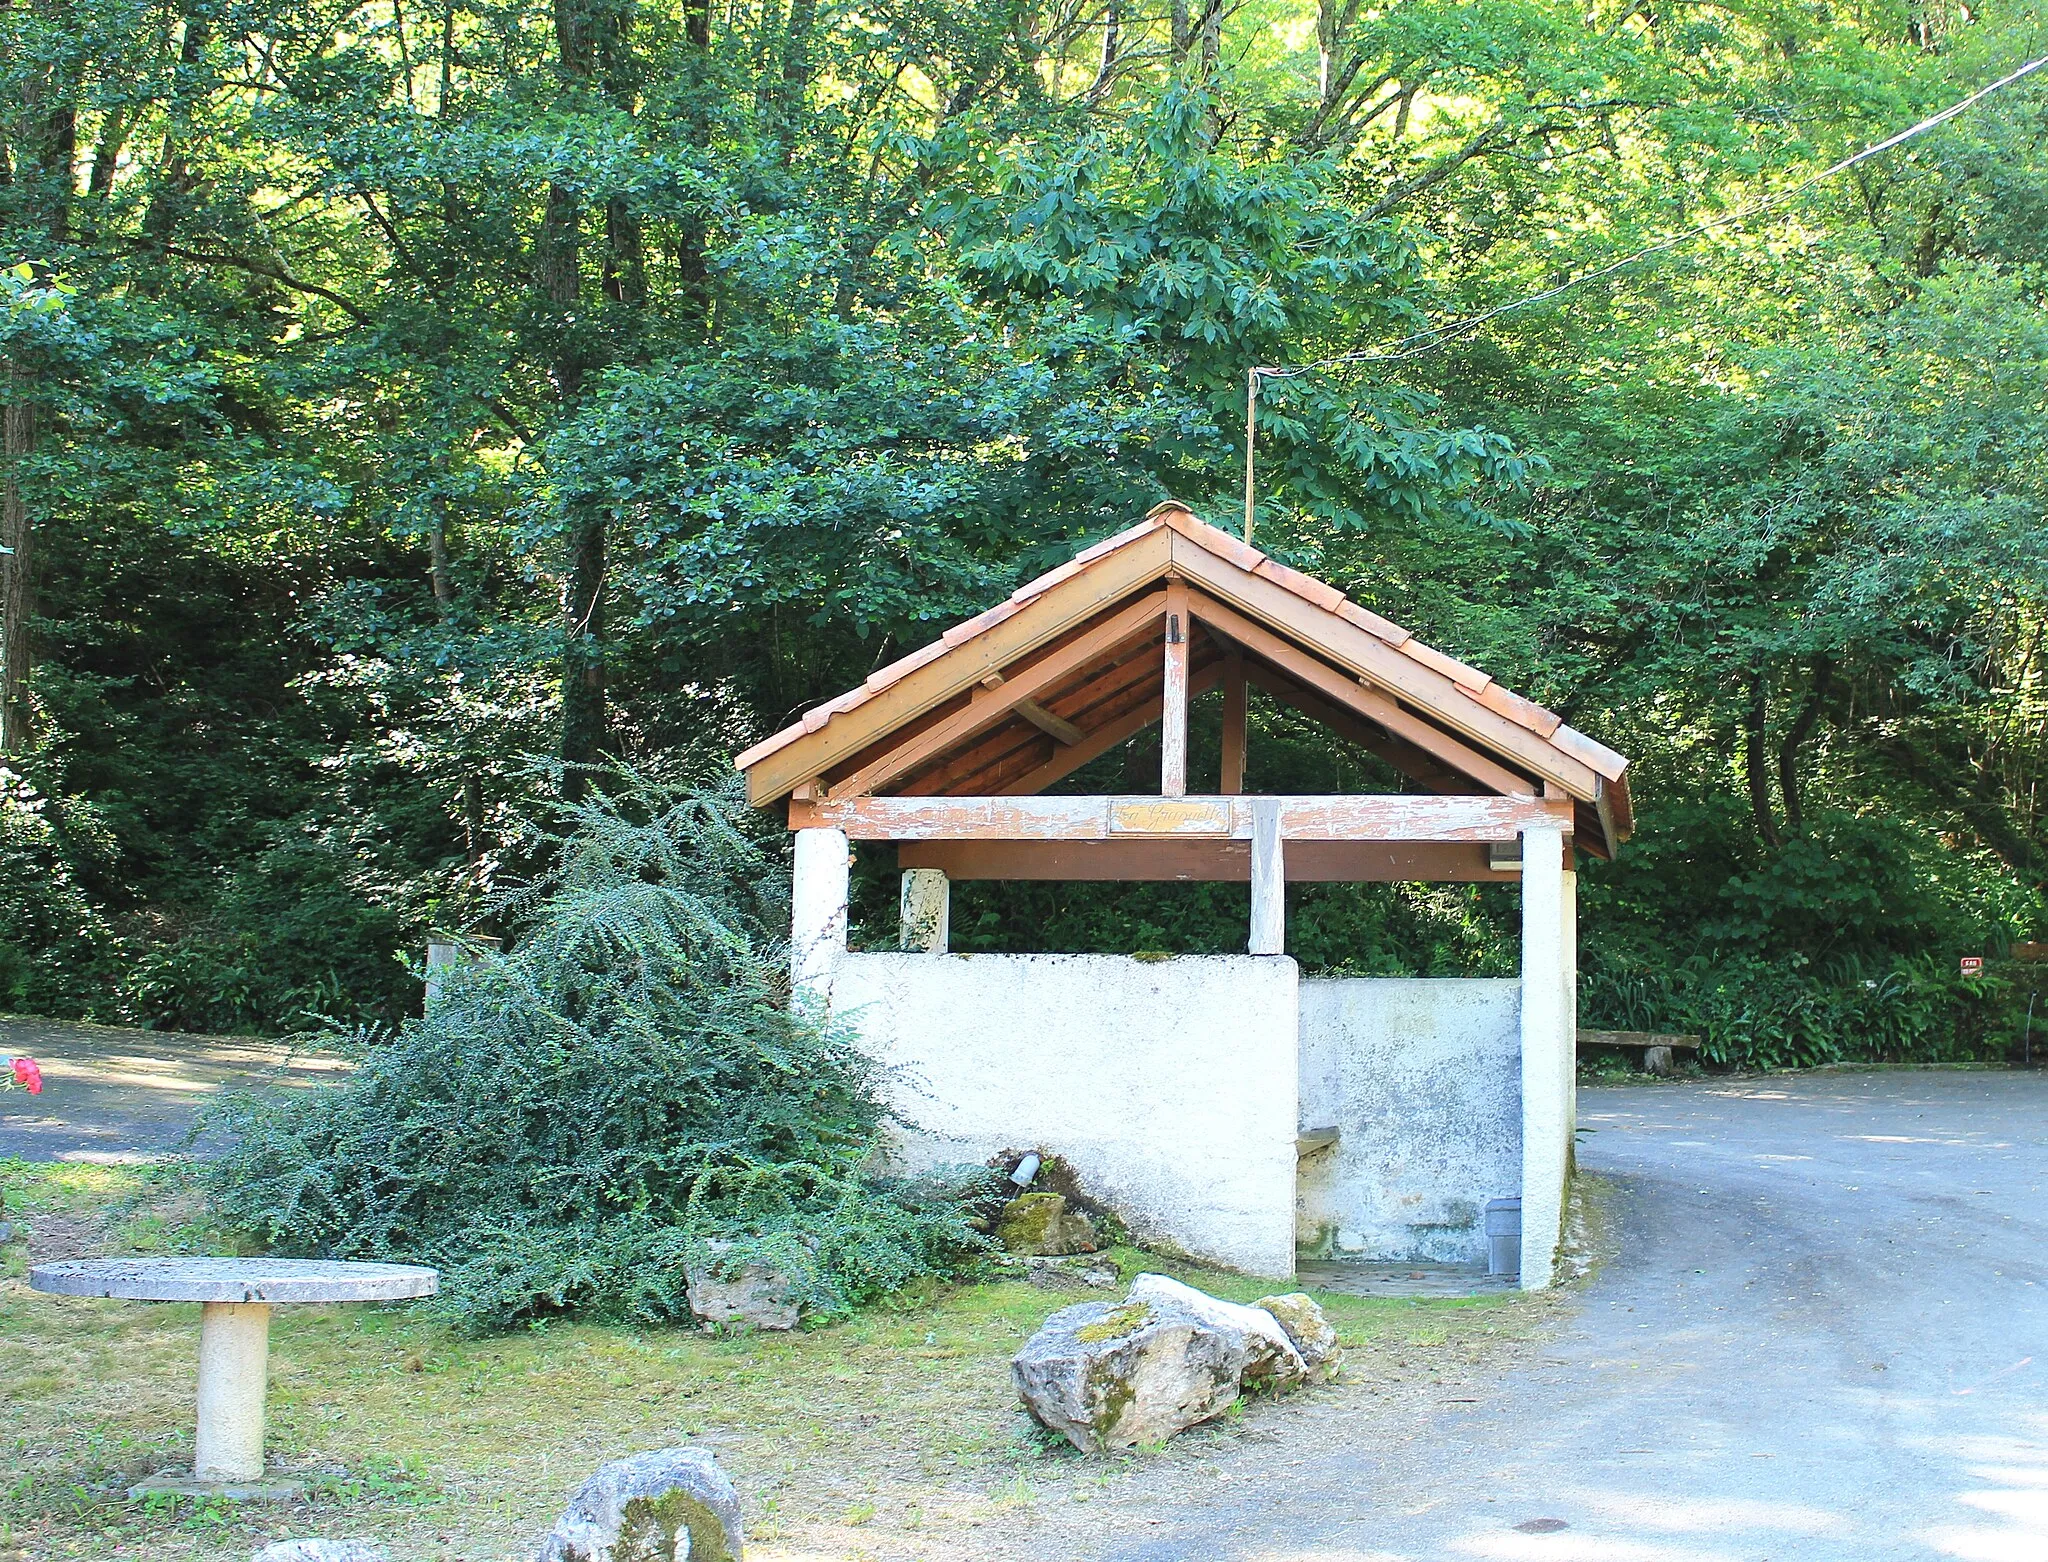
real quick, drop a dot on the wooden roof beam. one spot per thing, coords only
(1102, 739)
(1347, 692)
(1400, 672)
(1184, 860)
(1105, 695)
(993, 705)
(956, 662)
(1414, 763)
(1332, 818)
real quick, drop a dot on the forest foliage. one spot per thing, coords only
(401, 389)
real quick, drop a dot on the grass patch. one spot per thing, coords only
(894, 1433)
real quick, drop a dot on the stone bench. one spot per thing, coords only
(235, 1297)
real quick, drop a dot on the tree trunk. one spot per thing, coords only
(178, 179)
(1112, 40)
(17, 570)
(1795, 738)
(1756, 767)
(437, 564)
(42, 174)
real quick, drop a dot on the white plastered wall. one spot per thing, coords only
(1422, 1079)
(1176, 1087)
(1169, 1085)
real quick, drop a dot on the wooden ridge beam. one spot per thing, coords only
(1334, 818)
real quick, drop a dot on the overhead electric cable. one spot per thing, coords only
(1430, 339)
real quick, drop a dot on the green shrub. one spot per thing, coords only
(577, 1119)
(53, 940)
(1753, 1012)
(294, 938)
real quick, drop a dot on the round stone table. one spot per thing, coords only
(234, 1341)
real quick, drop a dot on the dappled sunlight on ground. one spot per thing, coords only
(2008, 1519)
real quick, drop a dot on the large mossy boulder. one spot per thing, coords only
(1269, 1354)
(1117, 1374)
(665, 1506)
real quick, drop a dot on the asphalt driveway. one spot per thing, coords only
(1826, 1337)
(113, 1095)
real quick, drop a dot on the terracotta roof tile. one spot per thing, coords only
(1307, 587)
(1365, 618)
(1470, 679)
(1590, 751)
(1505, 702)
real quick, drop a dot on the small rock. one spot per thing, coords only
(757, 1296)
(1269, 1349)
(1113, 1375)
(1041, 1225)
(322, 1551)
(1307, 1328)
(665, 1506)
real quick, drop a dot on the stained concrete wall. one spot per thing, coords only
(1170, 1085)
(1423, 1080)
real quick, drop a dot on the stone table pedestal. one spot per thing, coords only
(235, 1297)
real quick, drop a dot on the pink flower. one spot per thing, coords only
(28, 1074)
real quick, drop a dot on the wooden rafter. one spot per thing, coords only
(1402, 674)
(999, 701)
(1106, 737)
(1085, 704)
(961, 659)
(1376, 707)
(1415, 763)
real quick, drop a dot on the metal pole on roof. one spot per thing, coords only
(1251, 406)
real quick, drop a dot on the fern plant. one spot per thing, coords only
(626, 1091)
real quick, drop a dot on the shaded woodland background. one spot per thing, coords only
(402, 395)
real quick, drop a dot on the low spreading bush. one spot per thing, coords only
(576, 1120)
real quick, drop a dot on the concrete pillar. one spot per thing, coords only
(817, 920)
(444, 954)
(1173, 706)
(1547, 1046)
(1570, 940)
(927, 911)
(1269, 880)
(234, 1350)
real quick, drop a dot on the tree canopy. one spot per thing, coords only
(399, 391)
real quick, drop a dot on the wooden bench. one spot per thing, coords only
(1659, 1051)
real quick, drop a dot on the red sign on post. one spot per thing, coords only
(1973, 965)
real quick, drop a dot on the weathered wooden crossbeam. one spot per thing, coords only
(1371, 818)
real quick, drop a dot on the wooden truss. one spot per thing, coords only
(948, 750)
